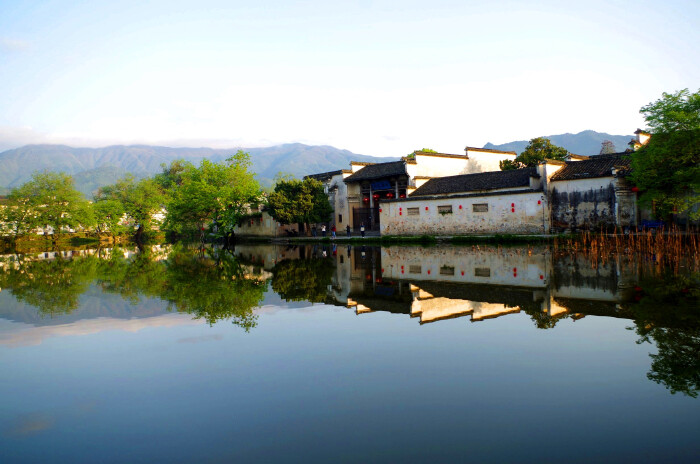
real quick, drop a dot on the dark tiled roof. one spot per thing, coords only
(323, 176)
(377, 171)
(596, 166)
(479, 181)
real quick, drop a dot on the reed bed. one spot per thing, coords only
(668, 248)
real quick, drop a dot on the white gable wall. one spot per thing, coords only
(507, 213)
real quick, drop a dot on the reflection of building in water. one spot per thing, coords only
(482, 283)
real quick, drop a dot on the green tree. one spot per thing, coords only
(667, 168)
(537, 150)
(425, 150)
(299, 201)
(141, 201)
(170, 176)
(49, 199)
(108, 216)
(220, 192)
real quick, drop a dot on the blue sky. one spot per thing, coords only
(378, 78)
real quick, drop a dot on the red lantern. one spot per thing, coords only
(403, 195)
(426, 208)
(380, 210)
(366, 199)
(390, 195)
(635, 189)
(375, 196)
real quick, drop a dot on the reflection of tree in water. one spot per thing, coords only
(667, 313)
(303, 279)
(541, 318)
(213, 287)
(52, 285)
(210, 284)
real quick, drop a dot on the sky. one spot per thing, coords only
(376, 78)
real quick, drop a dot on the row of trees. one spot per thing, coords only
(211, 197)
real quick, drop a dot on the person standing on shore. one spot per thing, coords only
(323, 230)
(362, 229)
(333, 232)
(347, 229)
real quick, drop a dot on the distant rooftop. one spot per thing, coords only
(324, 176)
(595, 166)
(379, 170)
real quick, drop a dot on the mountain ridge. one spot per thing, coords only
(95, 167)
(587, 142)
(92, 168)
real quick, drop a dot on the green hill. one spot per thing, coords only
(95, 167)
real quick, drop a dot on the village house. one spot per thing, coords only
(592, 194)
(357, 193)
(483, 203)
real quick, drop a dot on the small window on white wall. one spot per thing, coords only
(480, 207)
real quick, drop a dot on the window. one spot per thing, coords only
(413, 211)
(480, 207)
(446, 209)
(447, 270)
(414, 269)
(340, 218)
(482, 272)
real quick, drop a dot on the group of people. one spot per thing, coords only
(348, 230)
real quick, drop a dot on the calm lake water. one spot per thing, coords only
(362, 354)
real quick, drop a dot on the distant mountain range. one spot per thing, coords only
(93, 168)
(586, 143)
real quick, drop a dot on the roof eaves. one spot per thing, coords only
(489, 150)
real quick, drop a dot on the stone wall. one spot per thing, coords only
(263, 226)
(499, 213)
(587, 204)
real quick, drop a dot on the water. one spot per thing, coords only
(322, 354)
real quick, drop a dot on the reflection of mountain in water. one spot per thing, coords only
(93, 304)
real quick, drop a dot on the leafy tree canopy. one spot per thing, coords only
(48, 199)
(667, 168)
(303, 201)
(220, 192)
(537, 150)
(678, 111)
(141, 200)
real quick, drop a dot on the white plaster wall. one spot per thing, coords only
(529, 217)
(340, 204)
(511, 267)
(487, 161)
(581, 185)
(440, 166)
